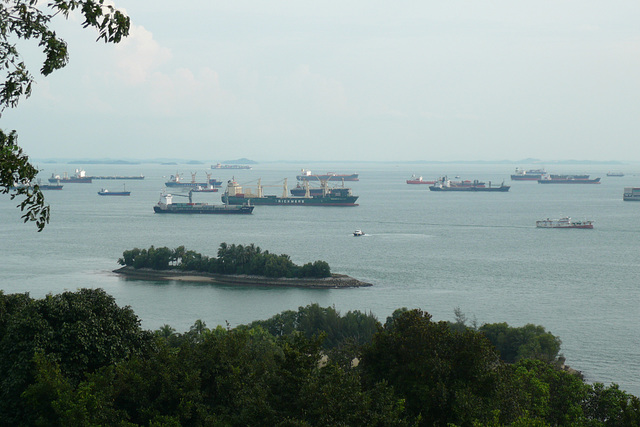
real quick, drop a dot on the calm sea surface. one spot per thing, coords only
(480, 252)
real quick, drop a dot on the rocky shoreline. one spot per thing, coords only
(335, 281)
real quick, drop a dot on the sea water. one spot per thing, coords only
(479, 252)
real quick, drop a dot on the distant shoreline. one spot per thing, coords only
(335, 281)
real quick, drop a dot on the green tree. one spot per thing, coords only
(80, 331)
(445, 376)
(27, 20)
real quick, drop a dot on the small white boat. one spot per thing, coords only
(358, 233)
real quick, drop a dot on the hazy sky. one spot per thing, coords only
(345, 80)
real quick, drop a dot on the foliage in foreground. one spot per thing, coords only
(78, 359)
(231, 259)
(27, 20)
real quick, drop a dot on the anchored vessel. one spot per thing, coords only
(565, 222)
(445, 184)
(568, 179)
(40, 185)
(105, 192)
(528, 175)
(79, 177)
(615, 174)
(176, 181)
(306, 175)
(166, 205)
(234, 195)
(418, 180)
(631, 194)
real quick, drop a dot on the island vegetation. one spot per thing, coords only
(78, 359)
(231, 260)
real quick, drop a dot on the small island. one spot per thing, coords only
(235, 265)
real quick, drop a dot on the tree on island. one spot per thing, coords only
(24, 19)
(231, 259)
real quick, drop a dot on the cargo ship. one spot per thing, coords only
(528, 175)
(631, 194)
(80, 177)
(617, 174)
(176, 181)
(444, 184)
(105, 192)
(166, 205)
(306, 175)
(234, 195)
(418, 180)
(565, 222)
(568, 179)
(221, 166)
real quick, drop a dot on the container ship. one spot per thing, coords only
(306, 175)
(444, 184)
(631, 194)
(176, 181)
(234, 195)
(568, 179)
(79, 177)
(528, 175)
(418, 180)
(166, 205)
(565, 222)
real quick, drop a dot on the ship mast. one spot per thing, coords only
(307, 192)
(260, 187)
(284, 189)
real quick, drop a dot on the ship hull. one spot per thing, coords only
(415, 181)
(114, 193)
(71, 180)
(188, 208)
(292, 201)
(525, 177)
(569, 181)
(502, 189)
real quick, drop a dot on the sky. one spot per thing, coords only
(332, 80)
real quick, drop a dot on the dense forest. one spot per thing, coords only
(231, 259)
(78, 359)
